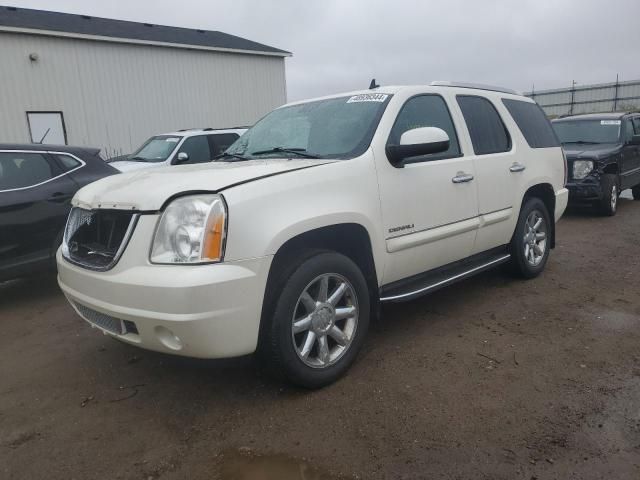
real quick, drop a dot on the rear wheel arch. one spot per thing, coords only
(546, 193)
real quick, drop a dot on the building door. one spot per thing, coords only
(47, 128)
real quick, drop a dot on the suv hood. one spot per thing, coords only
(597, 151)
(148, 189)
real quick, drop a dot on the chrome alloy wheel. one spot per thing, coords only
(535, 238)
(325, 320)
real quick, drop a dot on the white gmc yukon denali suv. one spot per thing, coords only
(288, 244)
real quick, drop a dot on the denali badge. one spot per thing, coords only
(400, 228)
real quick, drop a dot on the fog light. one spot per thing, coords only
(168, 338)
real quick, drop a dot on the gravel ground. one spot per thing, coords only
(493, 378)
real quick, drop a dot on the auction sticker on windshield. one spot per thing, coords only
(610, 122)
(368, 97)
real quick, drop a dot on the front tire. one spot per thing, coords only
(608, 205)
(531, 240)
(320, 320)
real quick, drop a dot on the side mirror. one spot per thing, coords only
(635, 140)
(183, 157)
(417, 142)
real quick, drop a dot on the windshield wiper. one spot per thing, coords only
(139, 159)
(583, 142)
(232, 155)
(296, 151)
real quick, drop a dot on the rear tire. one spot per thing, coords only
(319, 322)
(636, 192)
(608, 205)
(531, 240)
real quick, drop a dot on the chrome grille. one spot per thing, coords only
(96, 239)
(109, 323)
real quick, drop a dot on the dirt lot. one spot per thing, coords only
(493, 378)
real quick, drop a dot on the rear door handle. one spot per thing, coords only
(462, 177)
(517, 167)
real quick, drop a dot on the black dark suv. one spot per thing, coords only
(36, 186)
(603, 156)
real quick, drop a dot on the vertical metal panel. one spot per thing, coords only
(115, 95)
(605, 97)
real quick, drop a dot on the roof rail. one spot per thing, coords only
(478, 86)
(209, 129)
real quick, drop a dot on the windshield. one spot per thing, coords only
(156, 149)
(588, 131)
(335, 128)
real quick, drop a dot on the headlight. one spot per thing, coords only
(192, 230)
(582, 168)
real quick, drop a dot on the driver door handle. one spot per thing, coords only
(462, 177)
(517, 167)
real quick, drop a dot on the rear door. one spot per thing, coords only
(499, 173)
(34, 204)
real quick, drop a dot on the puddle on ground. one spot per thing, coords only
(246, 465)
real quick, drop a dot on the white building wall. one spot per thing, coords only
(115, 95)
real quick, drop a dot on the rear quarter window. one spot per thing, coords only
(533, 123)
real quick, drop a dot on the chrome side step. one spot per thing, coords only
(431, 281)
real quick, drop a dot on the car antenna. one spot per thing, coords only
(44, 136)
(373, 84)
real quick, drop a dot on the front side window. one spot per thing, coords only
(20, 170)
(532, 122)
(334, 128)
(588, 131)
(426, 111)
(156, 149)
(219, 142)
(487, 130)
(628, 130)
(197, 148)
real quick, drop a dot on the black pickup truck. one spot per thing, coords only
(603, 157)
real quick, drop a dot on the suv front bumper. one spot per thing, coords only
(586, 190)
(202, 311)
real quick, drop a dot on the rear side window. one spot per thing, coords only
(488, 133)
(533, 123)
(426, 111)
(636, 125)
(67, 162)
(19, 170)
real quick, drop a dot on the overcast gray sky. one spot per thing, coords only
(340, 45)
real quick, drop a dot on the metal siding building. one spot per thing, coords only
(597, 98)
(114, 92)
